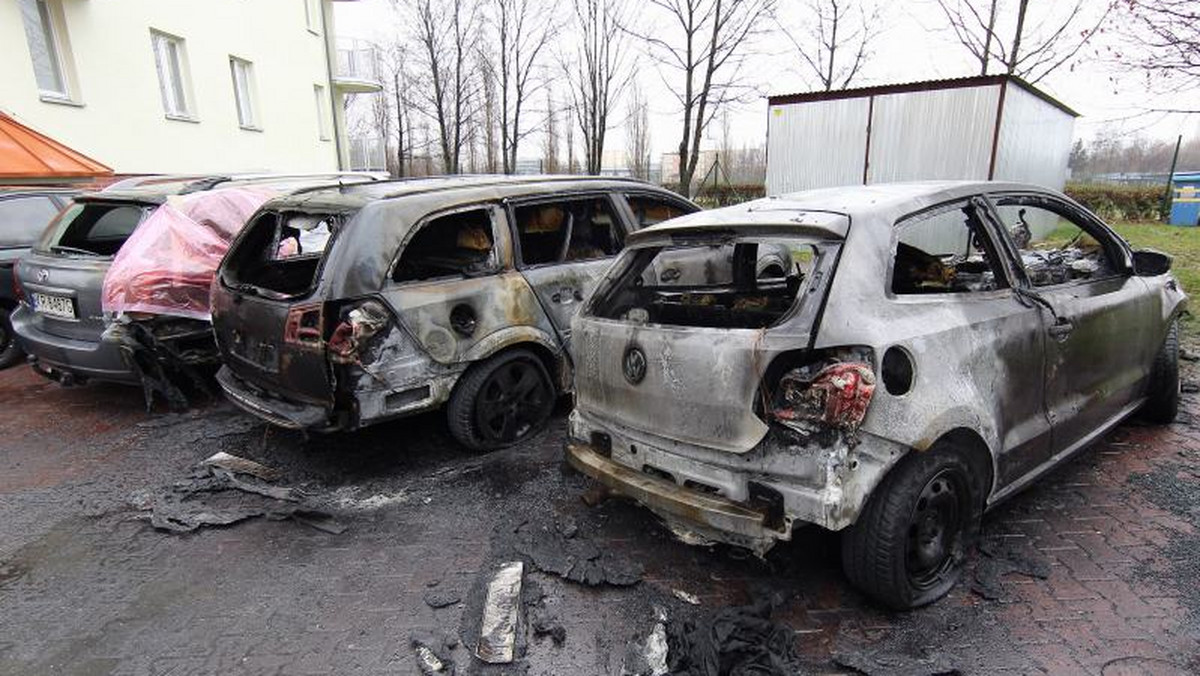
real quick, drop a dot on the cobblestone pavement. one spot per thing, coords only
(1093, 571)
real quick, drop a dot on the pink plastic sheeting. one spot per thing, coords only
(167, 266)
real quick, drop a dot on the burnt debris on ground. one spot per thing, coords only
(224, 490)
(556, 547)
(1001, 556)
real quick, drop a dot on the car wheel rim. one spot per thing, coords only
(512, 402)
(935, 529)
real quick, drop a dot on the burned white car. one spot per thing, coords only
(932, 349)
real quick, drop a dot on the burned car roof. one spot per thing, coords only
(825, 212)
(357, 196)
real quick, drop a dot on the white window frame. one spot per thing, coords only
(51, 32)
(245, 98)
(174, 84)
(323, 121)
(312, 16)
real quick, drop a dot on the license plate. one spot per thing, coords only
(55, 306)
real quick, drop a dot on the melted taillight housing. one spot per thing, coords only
(359, 323)
(305, 326)
(829, 391)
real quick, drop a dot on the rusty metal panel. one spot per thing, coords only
(1035, 141)
(944, 134)
(816, 145)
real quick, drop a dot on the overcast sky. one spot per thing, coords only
(914, 46)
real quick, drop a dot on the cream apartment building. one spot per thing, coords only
(182, 86)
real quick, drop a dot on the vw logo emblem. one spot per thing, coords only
(43, 275)
(634, 365)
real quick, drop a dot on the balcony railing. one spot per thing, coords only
(357, 66)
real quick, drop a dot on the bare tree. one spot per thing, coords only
(569, 141)
(598, 73)
(489, 137)
(1026, 45)
(704, 42)
(834, 41)
(446, 30)
(550, 145)
(523, 32)
(637, 134)
(1162, 39)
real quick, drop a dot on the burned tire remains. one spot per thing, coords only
(501, 401)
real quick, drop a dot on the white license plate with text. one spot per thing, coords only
(55, 306)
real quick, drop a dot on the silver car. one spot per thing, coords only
(933, 349)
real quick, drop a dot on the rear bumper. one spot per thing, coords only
(275, 410)
(81, 358)
(714, 517)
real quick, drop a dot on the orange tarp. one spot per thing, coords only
(24, 153)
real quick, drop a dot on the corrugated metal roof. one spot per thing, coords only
(24, 154)
(918, 86)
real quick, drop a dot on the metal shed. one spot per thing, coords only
(989, 127)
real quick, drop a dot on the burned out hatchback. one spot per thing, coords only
(340, 308)
(932, 349)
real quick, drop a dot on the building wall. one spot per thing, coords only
(118, 116)
(1035, 141)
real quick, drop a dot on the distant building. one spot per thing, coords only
(183, 86)
(989, 127)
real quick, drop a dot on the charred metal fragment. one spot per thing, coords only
(167, 354)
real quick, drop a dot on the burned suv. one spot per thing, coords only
(933, 349)
(338, 308)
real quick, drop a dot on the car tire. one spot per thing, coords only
(1162, 396)
(10, 350)
(911, 539)
(486, 414)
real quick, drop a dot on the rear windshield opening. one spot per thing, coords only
(740, 284)
(93, 228)
(281, 253)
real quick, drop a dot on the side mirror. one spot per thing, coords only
(1150, 263)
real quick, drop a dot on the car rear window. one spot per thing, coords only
(280, 253)
(93, 228)
(22, 219)
(732, 284)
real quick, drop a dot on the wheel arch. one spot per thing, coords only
(971, 445)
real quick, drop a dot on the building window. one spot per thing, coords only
(312, 15)
(45, 48)
(242, 72)
(171, 61)
(322, 112)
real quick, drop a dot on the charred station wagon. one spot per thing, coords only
(933, 349)
(339, 308)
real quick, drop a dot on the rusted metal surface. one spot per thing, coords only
(985, 370)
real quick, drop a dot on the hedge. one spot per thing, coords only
(1120, 202)
(1110, 202)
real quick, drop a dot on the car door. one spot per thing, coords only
(952, 282)
(564, 246)
(450, 285)
(1097, 316)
